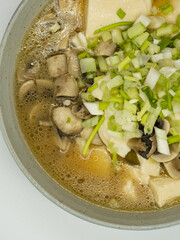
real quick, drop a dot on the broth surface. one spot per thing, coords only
(93, 178)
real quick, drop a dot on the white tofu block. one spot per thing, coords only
(149, 167)
(165, 190)
(103, 12)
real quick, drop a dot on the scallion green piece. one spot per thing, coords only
(163, 31)
(136, 30)
(150, 95)
(117, 36)
(83, 55)
(114, 158)
(92, 43)
(121, 14)
(91, 122)
(111, 26)
(124, 95)
(98, 78)
(103, 105)
(166, 8)
(55, 28)
(92, 88)
(176, 98)
(106, 36)
(87, 97)
(102, 64)
(145, 45)
(88, 65)
(93, 135)
(173, 139)
(122, 64)
(164, 43)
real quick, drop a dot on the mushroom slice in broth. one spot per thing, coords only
(173, 167)
(66, 86)
(65, 121)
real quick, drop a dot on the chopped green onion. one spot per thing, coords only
(145, 45)
(92, 43)
(93, 135)
(91, 122)
(87, 97)
(169, 102)
(114, 158)
(166, 8)
(152, 118)
(68, 120)
(55, 28)
(117, 36)
(115, 99)
(129, 106)
(136, 30)
(88, 65)
(83, 55)
(131, 78)
(163, 31)
(164, 43)
(124, 95)
(150, 95)
(103, 105)
(115, 82)
(114, 60)
(106, 36)
(146, 107)
(121, 14)
(144, 118)
(141, 39)
(113, 125)
(176, 98)
(92, 88)
(98, 78)
(111, 26)
(173, 139)
(102, 64)
(122, 65)
(81, 82)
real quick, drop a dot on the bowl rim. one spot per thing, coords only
(28, 175)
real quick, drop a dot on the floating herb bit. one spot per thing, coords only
(166, 8)
(121, 14)
(111, 26)
(132, 158)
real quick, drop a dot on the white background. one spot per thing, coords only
(25, 214)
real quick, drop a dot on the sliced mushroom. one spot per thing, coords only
(40, 85)
(105, 48)
(73, 63)
(44, 85)
(174, 151)
(66, 86)
(85, 134)
(62, 143)
(145, 146)
(173, 167)
(81, 111)
(65, 121)
(28, 72)
(26, 88)
(57, 65)
(39, 113)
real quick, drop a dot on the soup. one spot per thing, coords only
(99, 105)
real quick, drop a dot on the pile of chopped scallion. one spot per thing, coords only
(138, 84)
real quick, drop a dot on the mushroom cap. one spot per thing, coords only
(26, 88)
(39, 85)
(29, 71)
(40, 114)
(66, 86)
(65, 121)
(174, 151)
(173, 167)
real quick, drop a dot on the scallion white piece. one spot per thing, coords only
(152, 78)
(167, 71)
(93, 108)
(162, 143)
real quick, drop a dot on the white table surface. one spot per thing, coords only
(25, 214)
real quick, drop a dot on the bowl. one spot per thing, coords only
(22, 18)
